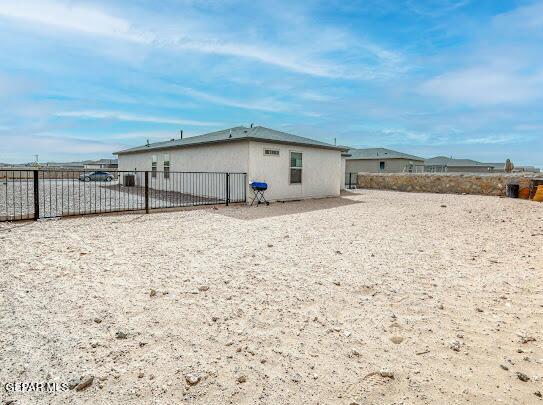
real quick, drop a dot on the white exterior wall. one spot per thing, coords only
(321, 171)
(223, 157)
(220, 157)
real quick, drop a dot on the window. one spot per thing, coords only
(167, 166)
(381, 166)
(271, 152)
(295, 168)
(153, 166)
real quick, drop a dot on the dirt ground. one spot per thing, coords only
(375, 297)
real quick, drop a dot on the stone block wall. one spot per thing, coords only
(486, 184)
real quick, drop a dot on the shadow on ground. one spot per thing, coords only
(277, 209)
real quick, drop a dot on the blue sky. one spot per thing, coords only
(81, 79)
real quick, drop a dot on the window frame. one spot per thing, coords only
(166, 160)
(291, 168)
(154, 164)
(382, 165)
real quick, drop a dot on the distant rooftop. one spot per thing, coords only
(102, 161)
(445, 161)
(256, 133)
(80, 164)
(380, 153)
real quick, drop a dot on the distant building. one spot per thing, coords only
(101, 164)
(441, 164)
(86, 164)
(61, 165)
(381, 160)
(500, 167)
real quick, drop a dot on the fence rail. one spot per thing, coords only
(43, 195)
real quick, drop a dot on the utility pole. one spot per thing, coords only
(37, 159)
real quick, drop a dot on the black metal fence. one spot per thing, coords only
(35, 194)
(351, 180)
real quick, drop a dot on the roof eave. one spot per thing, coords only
(248, 138)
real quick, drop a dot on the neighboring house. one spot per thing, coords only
(101, 164)
(293, 166)
(59, 165)
(528, 169)
(381, 160)
(87, 164)
(500, 167)
(444, 164)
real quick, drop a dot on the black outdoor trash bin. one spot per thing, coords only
(511, 190)
(129, 180)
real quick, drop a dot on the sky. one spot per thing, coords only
(461, 78)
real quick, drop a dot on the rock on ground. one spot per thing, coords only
(407, 268)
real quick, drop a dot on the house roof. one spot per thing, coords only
(380, 153)
(101, 162)
(256, 133)
(445, 161)
(106, 161)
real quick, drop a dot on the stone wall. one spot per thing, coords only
(483, 184)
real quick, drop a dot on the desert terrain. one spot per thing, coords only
(375, 297)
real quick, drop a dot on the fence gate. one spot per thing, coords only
(351, 180)
(35, 194)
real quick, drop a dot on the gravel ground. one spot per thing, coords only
(73, 197)
(372, 298)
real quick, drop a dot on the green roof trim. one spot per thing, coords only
(257, 133)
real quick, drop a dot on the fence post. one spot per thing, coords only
(227, 188)
(245, 188)
(36, 196)
(146, 192)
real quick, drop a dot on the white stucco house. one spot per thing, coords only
(294, 167)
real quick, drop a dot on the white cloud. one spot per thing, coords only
(70, 16)
(435, 9)
(485, 86)
(263, 104)
(120, 116)
(14, 86)
(314, 96)
(153, 136)
(200, 36)
(407, 136)
(502, 64)
(262, 53)
(496, 139)
(522, 19)
(21, 147)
